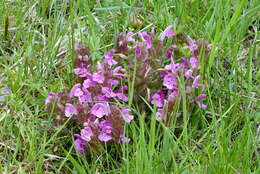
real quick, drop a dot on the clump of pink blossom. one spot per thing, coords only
(161, 61)
(159, 64)
(95, 101)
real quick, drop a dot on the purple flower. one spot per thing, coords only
(122, 97)
(81, 72)
(74, 90)
(167, 33)
(194, 63)
(50, 97)
(158, 99)
(118, 72)
(88, 83)
(153, 31)
(125, 113)
(100, 109)
(146, 38)
(86, 133)
(106, 129)
(80, 146)
(159, 114)
(108, 92)
(109, 57)
(129, 37)
(169, 81)
(138, 51)
(188, 74)
(123, 139)
(100, 66)
(192, 45)
(98, 77)
(78, 92)
(100, 97)
(105, 126)
(198, 101)
(70, 110)
(169, 51)
(170, 66)
(120, 93)
(173, 95)
(188, 89)
(184, 62)
(104, 137)
(86, 97)
(196, 83)
(117, 69)
(113, 82)
(209, 47)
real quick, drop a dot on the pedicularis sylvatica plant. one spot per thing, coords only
(161, 66)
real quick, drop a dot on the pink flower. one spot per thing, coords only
(192, 45)
(194, 63)
(158, 99)
(78, 92)
(184, 62)
(129, 37)
(125, 113)
(196, 83)
(80, 145)
(86, 97)
(70, 110)
(209, 47)
(123, 139)
(74, 90)
(198, 101)
(169, 51)
(173, 95)
(100, 109)
(117, 70)
(105, 126)
(159, 114)
(167, 33)
(170, 66)
(169, 81)
(86, 133)
(88, 83)
(100, 66)
(50, 97)
(108, 92)
(138, 51)
(146, 38)
(106, 129)
(104, 137)
(81, 72)
(109, 57)
(100, 97)
(113, 82)
(188, 74)
(120, 94)
(98, 77)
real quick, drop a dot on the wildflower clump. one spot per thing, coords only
(162, 64)
(162, 68)
(95, 101)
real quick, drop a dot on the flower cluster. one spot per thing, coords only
(95, 100)
(161, 63)
(162, 66)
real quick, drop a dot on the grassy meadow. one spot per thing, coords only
(36, 57)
